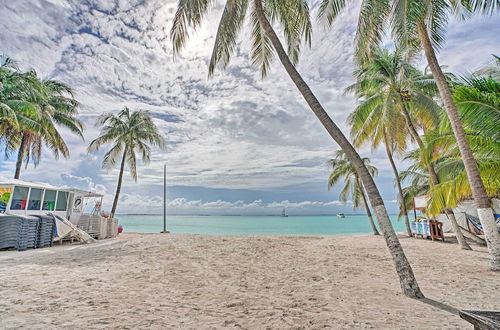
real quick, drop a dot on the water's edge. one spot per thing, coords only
(253, 225)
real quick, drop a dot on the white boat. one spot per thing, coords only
(340, 215)
(283, 214)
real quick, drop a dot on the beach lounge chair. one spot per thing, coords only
(476, 223)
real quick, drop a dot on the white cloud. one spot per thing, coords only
(234, 131)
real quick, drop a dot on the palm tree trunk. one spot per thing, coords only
(476, 183)
(456, 228)
(434, 178)
(119, 185)
(407, 279)
(367, 208)
(398, 184)
(20, 156)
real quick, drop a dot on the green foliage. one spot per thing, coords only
(32, 110)
(128, 133)
(478, 103)
(389, 90)
(401, 18)
(292, 15)
(342, 169)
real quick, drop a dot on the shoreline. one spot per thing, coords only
(141, 280)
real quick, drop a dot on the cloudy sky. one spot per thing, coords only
(237, 144)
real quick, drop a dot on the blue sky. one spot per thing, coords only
(236, 144)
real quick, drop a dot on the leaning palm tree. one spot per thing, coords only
(293, 16)
(343, 169)
(128, 132)
(415, 25)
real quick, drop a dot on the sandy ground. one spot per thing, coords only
(158, 281)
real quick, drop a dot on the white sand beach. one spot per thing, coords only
(157, 281)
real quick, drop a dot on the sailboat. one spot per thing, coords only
(283, 214)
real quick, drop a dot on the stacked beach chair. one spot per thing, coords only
(46, 226)
(23, 232)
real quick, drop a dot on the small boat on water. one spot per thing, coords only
(283, 214)
(340, 215)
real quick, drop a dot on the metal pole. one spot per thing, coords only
(165, 198)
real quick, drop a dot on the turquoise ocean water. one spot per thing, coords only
(253, 225)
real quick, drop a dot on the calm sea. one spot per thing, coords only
(253, 225)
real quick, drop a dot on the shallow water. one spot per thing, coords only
(253, 225)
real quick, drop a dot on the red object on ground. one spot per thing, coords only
(120, 229)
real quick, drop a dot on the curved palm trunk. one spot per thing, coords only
(367, 208)
(476, 183)
(398, 184)
(434, 179)
(407, 279)
(119, 185)
(20, 156)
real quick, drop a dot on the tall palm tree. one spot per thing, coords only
(421, 25)
(128, 132)
(392, 96)
(293, 16)
(343, 169)
(396, 100)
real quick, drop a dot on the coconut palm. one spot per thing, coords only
(293, 17)
(418, 25)
(37, 109)
(128, 133)
(392, 94)
(55, 107)
(342, 169)
(396, 101)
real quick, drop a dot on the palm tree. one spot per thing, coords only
(396, 100)
(420, 24)
(129, 132)
(343, 169)
(293, 16)
(32, 110)
(55, 107)
(478, 102)
(392, 94)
